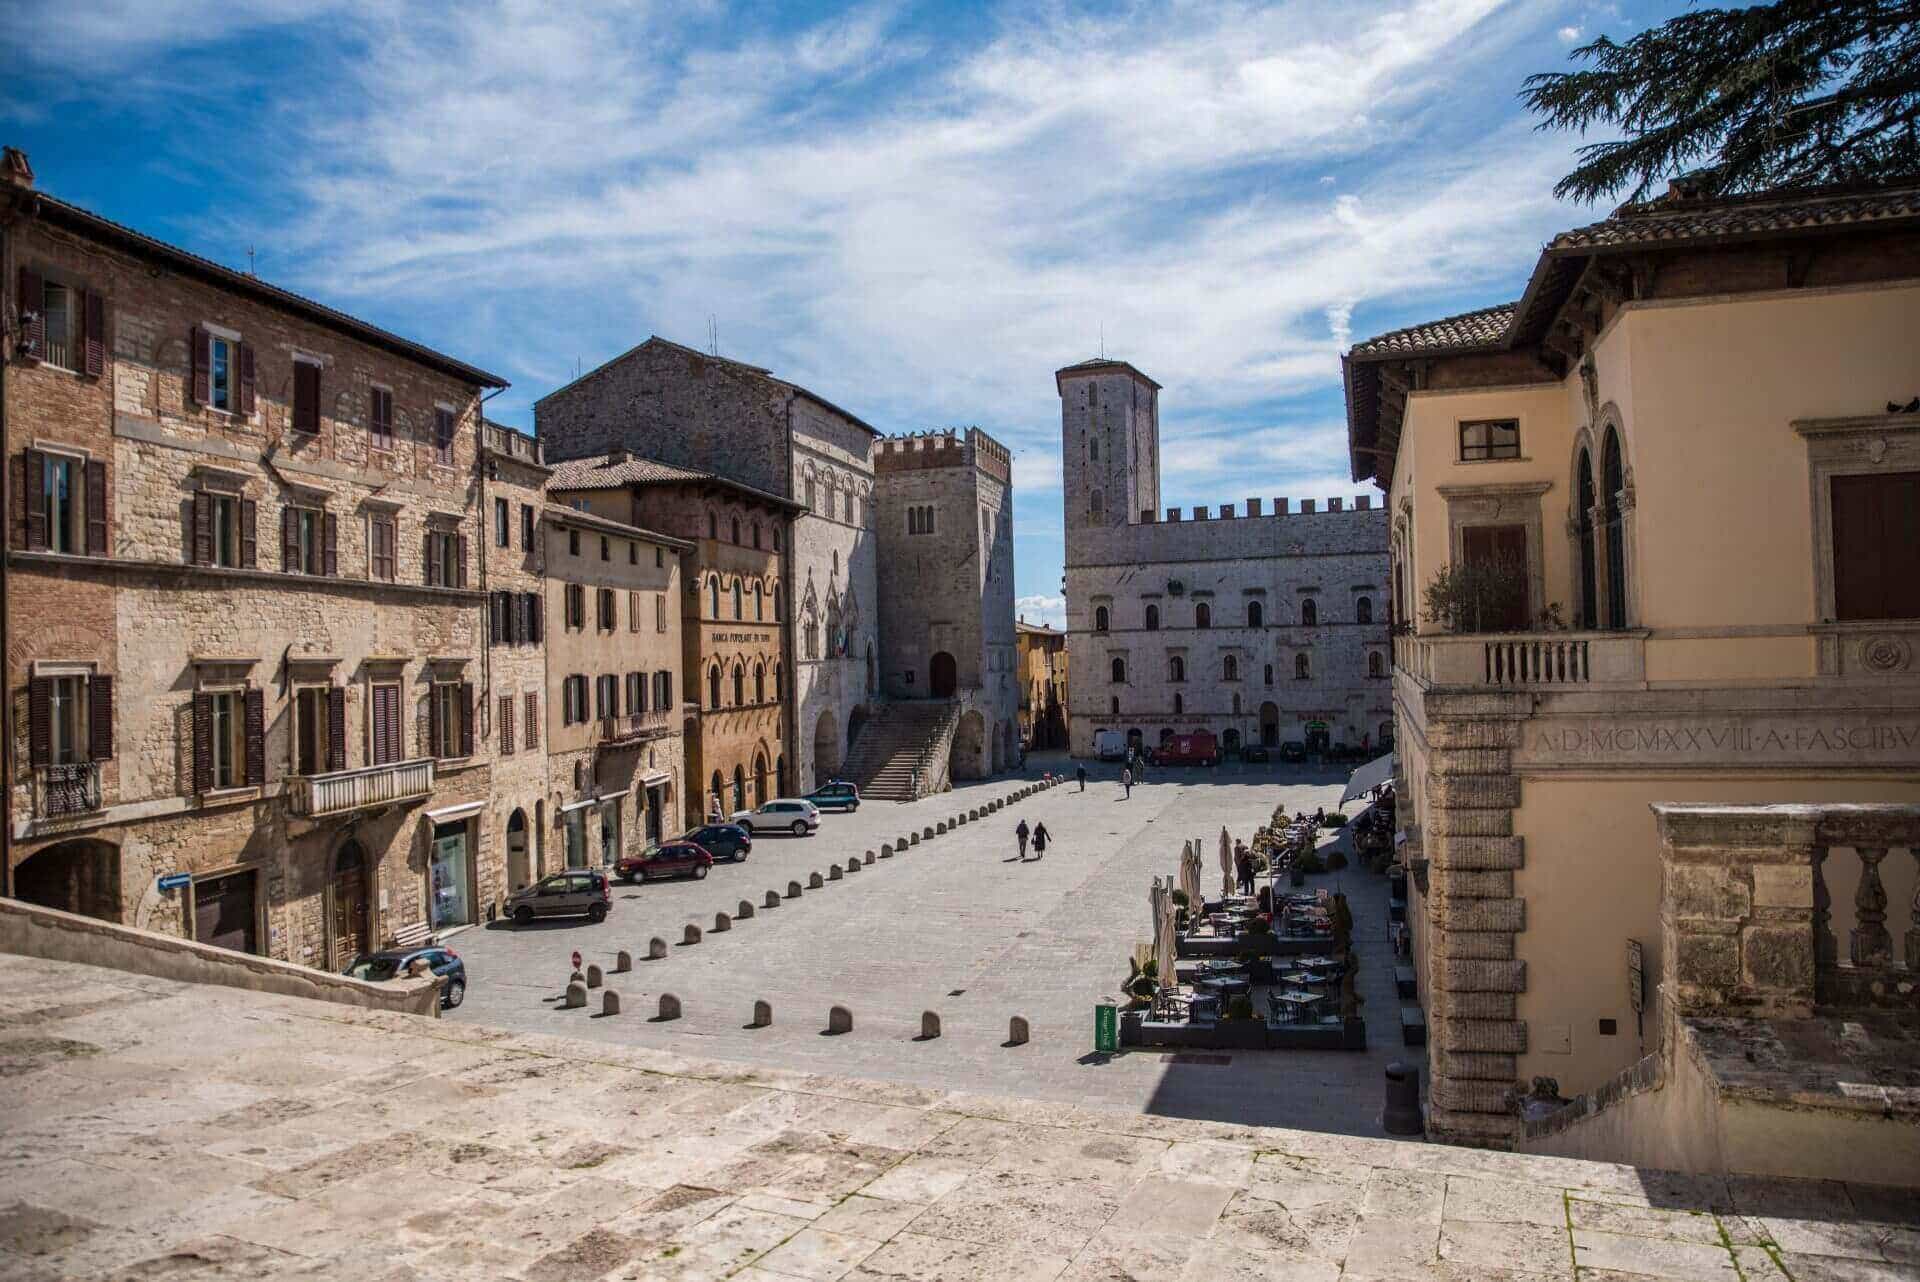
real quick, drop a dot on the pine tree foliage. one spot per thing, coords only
(1795, 93)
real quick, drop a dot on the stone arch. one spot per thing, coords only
(80, 876)
(1270, 724)
(826, 747)
(943, 675)
(739, 787)
(520, 871)
(968, 758)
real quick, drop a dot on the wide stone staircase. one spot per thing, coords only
(901, 751)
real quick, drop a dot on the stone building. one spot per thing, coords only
(1261, 626)
(725, 418)
(1685, 469)
(614, 647)
(513, 704)
(734, 606)
(945, 520)
(1042, 659)
(243, 624)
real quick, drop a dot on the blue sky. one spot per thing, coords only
(917, 210)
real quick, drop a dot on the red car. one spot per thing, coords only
(673, 859)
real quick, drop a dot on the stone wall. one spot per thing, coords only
(518, 810)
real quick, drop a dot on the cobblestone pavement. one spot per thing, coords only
(160, 1130)
(954, 927)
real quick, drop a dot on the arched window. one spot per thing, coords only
(739, 788)
(1363, 610)
(1256, 615)
(756, 543)
(1589, 613)
(1153, 618)
(739, 684)
(779, 688)
(737, 612)
(759, 600)
(779, 605)
(1203, 615)
(1376, 666)
(1093, 448)
(736, 530)
(759, 683)
(1230, 668)
(1115, 702)
(1119, 672)
(1099, 618)
(1269, 674)
(1309, 612)
(1096, 505)
(713, 597)
(1176, 669)
(1236, 712)
(713, 687)
(1179, 705)
(1300, 672)
(713, 526)
(1613, 480)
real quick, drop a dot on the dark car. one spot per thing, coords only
(378, 968)
(670, 859)
(1293, 752)
(723, 841)
(838, 795)
(574, 892)
(1257, 752)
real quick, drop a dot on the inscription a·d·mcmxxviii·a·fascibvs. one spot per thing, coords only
(1772, 739)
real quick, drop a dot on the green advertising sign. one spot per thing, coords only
(1106, 1029)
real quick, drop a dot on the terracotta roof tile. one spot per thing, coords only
(599, 472)
(1484, 328)
(1668, 220)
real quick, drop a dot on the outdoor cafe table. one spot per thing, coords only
(1218, 966)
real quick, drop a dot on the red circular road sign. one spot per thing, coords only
(576, 959)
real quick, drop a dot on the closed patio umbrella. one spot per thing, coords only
(1226, 865)
(1167, 947)
(1190, 876)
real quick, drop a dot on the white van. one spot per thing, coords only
(1110, 745)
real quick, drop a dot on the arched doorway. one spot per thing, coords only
(1230, 741)
(739, 788)
(826, 749)
(760, 797)
(350, 898)
(968, 757)
(1613, 482)
(519, 867)
(1270, 725)
(943, 675)
(1136, 738)
(75, 877)
(1589, 614)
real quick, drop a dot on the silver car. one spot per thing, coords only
(801, 818)
(576, 892)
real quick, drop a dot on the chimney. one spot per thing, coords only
(15, 170)
(616, 456)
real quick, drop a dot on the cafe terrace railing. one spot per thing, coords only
(1525, 660)
(396, 783)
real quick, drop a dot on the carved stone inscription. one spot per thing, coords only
(1856, 739)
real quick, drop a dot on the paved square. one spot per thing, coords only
(959, 926)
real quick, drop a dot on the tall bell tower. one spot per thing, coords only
(1109, 444)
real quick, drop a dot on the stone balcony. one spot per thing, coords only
(637, 727)
(1525, 660)
(370, 787)
(68, 789)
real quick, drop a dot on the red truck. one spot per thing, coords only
(1196, 749)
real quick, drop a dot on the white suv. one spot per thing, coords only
(801, 818)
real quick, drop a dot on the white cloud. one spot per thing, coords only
(1049, 610)
(1568, 35)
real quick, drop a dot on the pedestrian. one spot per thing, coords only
(1040, 838)
(1080, 772)
(1126, 781)
(1022, 833)
(1243, 868)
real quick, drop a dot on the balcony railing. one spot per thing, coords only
(1525, 660)
(504, 440)
(396, 783)
(69, 789)
(635, 727)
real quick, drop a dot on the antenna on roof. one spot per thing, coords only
(713, 335)
(249, 260)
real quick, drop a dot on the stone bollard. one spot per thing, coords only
(656, 948)
(1017, 1031)
(886, 850)
(595, 977)
(773, 899)
(913, 839)
(815, 881)
(793, 890)
(940, 828)
(834, 872)
(690, 936)
(762, 1014)
(868, 859)
(622, 962)
(576, 994)
(900, 842)
(929, 1025)
(853, 865)
(926, 833)
(721, 922)
(973, 814)
(669, 1007)
(744, 911)
(839, 1020)
(1402, 1113)
(609, 1003)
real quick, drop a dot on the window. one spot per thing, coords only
(779, 604)
(526, 527)
(1309, 612)
(380, 418)
(61, 505)
(1301, 672)
(449, 719)
(737, 612)
(1363, 610)
(223, 529)
(713, 686)
(1119, 672)
(443, 435)
(713, 597)
(1500, 552)
(776, 538)
(1376, 666)
(605, 549)
(636, 693)
(633, 554)
(220, 372)
(1876, 527)
(306, 397)
(380, 543)
(1256, 614)
(1113, 705)
(573, 700)
(446, 559)
(756, 534)
(307, 541)
(1153, 618)
(506, 725)
(633, 611)
(573, 543)
(779, 682)
(1267, 674)
(735, 532)
(228, 738)
(386, 737)
(659, 558)
(533, 721)
(1491, 438)
(607, 611)
(502, 524)
(663, 691)
(1203, 615)
(606, 697)
(314, 734)
(1613, 484)
(1093, 449)
(1176, 669)
(1179, 705)
(920, 518)
(1100, 618)
(659, 612)
(1096, 505)
(739, 684)
(66, 725)
(760, 601)
(1230, 668)
(576, 606)
(57, 318)
(713, 526)
(759, 683)
(811, 501)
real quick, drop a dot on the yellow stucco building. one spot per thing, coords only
(1043, 685)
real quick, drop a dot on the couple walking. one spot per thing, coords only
(1039, 835)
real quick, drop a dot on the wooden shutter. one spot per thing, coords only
(533, 721)
(202, 742)
(256, 706)
(329, 544)
(17, 497)
(434, 745)
(33, 314)
(460, 561)
(336, 727)
(466, 719)
(202, 552)
(536, 618)
(249, 543)
(1876, 526)
(34, 464)
(306, 397)
(382, 416)
(505, 729)
(97, 502)
(383, 748)
(243, 397)
(100, 717)
(433, 557)
(94, 334)
(40, 720)
(200, 382)
(289, 539)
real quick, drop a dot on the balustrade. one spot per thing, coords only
(316, 796)
(69, 789)
(1531, 660)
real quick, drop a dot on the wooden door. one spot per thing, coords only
(1504, 606)
(223, 912)
(349, 906)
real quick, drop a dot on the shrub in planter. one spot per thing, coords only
(1180, 899)
(1240, 1007)
(1333, 820)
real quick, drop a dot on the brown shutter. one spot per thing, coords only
(202, 742)
(97, 503)
(200, 383)
(382, 748)
(432, 557)
(466, 719)
(256, 704)
(329, 544)
(249, 543)
(202, 550)
(533, 721)
(505, 729)
(536, 618)
(433, 722)
(336, 727)
(33, 314)
(246, 380)
(40, 720)
(94, 332)
(306, 397)
(100, 717)
(17, 497)
(289, 539)
(35, 464)
(460, 561)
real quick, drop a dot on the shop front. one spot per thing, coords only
(450, 868)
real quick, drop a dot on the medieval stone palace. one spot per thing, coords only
(1261, 626)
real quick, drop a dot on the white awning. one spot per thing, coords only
(1368, 777)
(448, 814)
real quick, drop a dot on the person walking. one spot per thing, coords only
(1243, 869)
(1040, 839)
(1022, 832)
(1126, 781)
(1080, 773)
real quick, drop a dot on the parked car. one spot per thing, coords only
(1110, 745)
(392, 963)
(723, 841)
(1196, 749)
(795, 815)
(838, 795)
(681, 858)
(1258, 752)
(1293, 752)
(573, 893)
